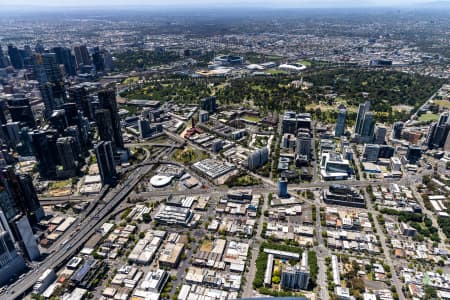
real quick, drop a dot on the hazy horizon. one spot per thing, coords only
(29, 4)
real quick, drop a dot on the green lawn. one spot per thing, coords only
(276, 72)
(428, 117)
(60, 184)
(252, 118)
(306, 63)
(274, 57)
(129, 80)
(189, 155)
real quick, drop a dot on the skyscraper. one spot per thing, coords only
(304, 144)
(105, 161)
(340, 123)
(104, 124)
(74, 132)
(78, 94)
(363, 109)
(72, 115)
(97, 60)
(413, 154)
(371, 152)
(25, 148)
(82, 55)
(297, 277)
(44, 152)
(283, 187)
(258, 158)
(447, 143)
(11, 263)
(293, 121)
(28, 199)
(437, 133)
(146, 130)
(51, 84)
(65, 57)
(368, 126)
(67, 154)
(25, 237)
(19, 196)
(20, 111)
(2, 58)
(107, 101)
(397, 130)
(39, 48)
(430, 135)
(11, 133)
(380, 135)
(108, 61)
(7, 203)
(2, 112)
(208, 104)
(15, 57)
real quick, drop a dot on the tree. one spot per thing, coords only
(146, 217)
(430, 292)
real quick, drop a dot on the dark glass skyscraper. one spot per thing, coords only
(397, 130)
(15, 57)
(107, 101)
(20, 111)
(413, 154)
(208, 104)
(79, 95)
(97, 60)
(363, 109)
(50, 81)
(82, 55)
(45, 153)
(22, 196)
(2, 112)
(368, 125)
(105, 161)
(2, 58)
(58, 120)
(67, 153)
(72, 115)
(438, 132)
(65, 57)
(340, 123)
(104, 124)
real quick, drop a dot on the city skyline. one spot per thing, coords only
(177, 4)
(188, 150)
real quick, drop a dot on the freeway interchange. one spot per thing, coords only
(98, 211)
(110, 198)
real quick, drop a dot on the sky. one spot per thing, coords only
(212, 3)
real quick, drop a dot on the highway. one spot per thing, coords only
(102, 207)
(104, 204)
(155, 144)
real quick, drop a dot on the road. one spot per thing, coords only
(155, 144)
(101, 210)
(248, 289)
(416, 114)
(386, 250)
(321, 253)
